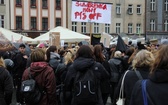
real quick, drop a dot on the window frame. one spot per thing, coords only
(44, 23)
(83, 27)
(34, 22)
(2, 2)
(107, 28)
(44, 4)
(130, 9)
(96, 27)
(58, 21)
(153, 5)
(138, 28)
(18, 22)
(118, 8)
(2, 20)
(130, 28)
(33, 3)
(139, 9)
(152, 25)
(18, 3)
(118, 28)
(58, 4)
(166, 5)
(74, 26)
(165, 25)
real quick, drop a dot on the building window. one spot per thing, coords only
(118, 28)
(58, 4)
(33, 23)
(118, 9)
(18, 22)
(107, 28)
(166, 5)
(152, 25)
(44, 3)
(74, 26)
(130, 9)
(33, 3)
(83, 28)
(1, 1)
(96, 27)
(58, 22)
(2, 21)
(152, 5)
(138, 28)
(138, 9)
(45, 24)
(129, 28)
(18, 3)
(166, 25)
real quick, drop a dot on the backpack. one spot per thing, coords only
(85, 90)
(31, 91)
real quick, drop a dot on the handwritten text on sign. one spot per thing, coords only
(89, 11)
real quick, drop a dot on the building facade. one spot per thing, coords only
(127, 16)
(34, 17)
(156, 19)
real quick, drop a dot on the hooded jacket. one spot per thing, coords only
(54, 60)
(81, 65)
(6, 87)
(156, 87)
(45, 78)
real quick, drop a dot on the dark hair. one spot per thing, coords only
(161, 59)
(130, 51)
(22, 45)
(37, 55)
(50, 49)
(84, 51)
(99, 57)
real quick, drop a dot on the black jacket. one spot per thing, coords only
(156, 86)
(130, 79)
(82, 64)
(6, 87)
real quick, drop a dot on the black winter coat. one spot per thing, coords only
(82, 64)
(130, 80)
(156, 87)
(6, 87)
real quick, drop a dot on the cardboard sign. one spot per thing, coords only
(91, 11)
(54, 39)
(105, 39)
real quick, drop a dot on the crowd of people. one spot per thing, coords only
(86, 74)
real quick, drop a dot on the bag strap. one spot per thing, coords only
(122, 85)
(139, 75)
(144, 93)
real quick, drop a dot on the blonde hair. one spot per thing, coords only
(2, 63)
(143, 58)
(70, 56)
(117, 54)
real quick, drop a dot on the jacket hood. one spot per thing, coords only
(82, 64)
(159, 76)
(54, 55)
(38, 66)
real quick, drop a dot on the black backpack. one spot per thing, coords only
(86, 85)
(31, 91)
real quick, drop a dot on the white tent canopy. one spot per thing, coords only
(11, 36)
(65, 34)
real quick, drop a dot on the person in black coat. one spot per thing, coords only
(141, 63)
(6, 84)
(84, 60)
(157, 84)
(105, 84)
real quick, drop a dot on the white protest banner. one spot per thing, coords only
(91, 11)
